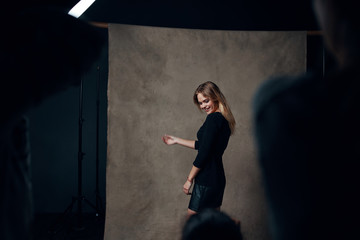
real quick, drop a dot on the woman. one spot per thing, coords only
(213, 137)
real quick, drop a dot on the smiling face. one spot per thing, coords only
(206, 104)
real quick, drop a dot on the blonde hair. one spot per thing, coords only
(212, 91)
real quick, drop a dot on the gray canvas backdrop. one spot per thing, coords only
(153, 73)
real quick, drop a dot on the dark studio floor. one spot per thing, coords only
(54, 226)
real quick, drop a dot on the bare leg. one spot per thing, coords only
(190, 213)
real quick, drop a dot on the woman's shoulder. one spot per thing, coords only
(215, 117)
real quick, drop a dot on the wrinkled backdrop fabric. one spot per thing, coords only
(153, 73)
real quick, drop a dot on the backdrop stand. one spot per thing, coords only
(100, 212)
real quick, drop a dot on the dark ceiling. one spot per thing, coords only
(211, 14)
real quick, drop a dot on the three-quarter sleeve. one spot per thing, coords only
(196, 145)
(205, 145)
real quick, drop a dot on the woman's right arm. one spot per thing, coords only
(170, 140)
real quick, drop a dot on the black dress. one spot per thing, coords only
(213, 138)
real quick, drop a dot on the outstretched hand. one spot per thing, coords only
(169, 140)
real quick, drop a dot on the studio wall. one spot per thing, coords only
(54, 140)
(153, 73)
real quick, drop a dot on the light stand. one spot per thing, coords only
(80, 198)
(99, 204)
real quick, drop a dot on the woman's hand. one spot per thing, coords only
(169, 140)
(187, 186)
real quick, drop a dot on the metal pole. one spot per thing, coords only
(80, 159)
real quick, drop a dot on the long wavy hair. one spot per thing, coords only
(212, 91)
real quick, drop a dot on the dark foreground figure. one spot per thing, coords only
(307, 132)
(211, 224)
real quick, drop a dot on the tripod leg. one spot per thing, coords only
(54, 229)
(79, 216)
(99, 206)
(90, 204)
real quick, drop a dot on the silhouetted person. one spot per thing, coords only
(211, 224)
(43, 51)
(308, 137)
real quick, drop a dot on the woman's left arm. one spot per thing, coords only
(190, 179)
